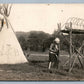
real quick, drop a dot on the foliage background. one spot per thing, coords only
(40, 41)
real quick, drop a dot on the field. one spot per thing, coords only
(37, 69)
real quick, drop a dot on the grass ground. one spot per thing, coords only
(37, 69)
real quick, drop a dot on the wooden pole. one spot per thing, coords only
(70, 45)
(59, 57)
(72, 64)
(59, 28)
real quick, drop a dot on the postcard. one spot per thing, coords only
(41, 42)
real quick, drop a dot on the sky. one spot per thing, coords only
(43, 17)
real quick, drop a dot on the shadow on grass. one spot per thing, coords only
(14, 67)
(40, 64)
(32, 66)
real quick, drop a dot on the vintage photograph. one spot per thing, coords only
(41, 42)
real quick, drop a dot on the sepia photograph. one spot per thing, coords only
(41, 42)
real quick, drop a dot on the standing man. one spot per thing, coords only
(54, 53)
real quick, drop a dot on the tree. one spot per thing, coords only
(36, 40)
(23, 42)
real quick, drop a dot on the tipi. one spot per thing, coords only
(10, 49)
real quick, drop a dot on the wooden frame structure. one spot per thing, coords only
(76, 55)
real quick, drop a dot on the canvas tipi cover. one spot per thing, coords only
(10, 49)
